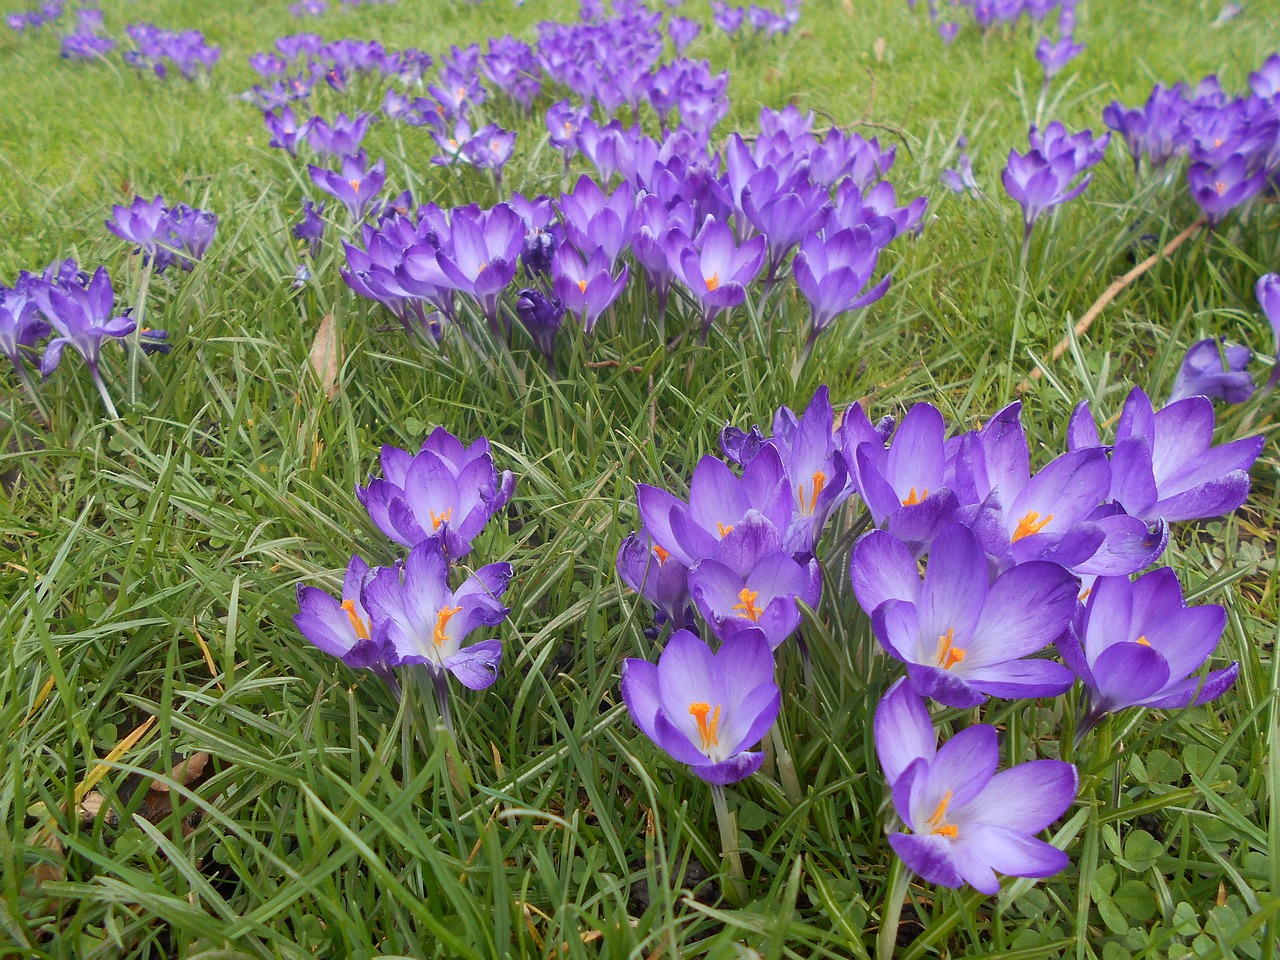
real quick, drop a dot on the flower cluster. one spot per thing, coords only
(434, 503)
(85, 41)
(1041, 178)
(160, 51)
(35, 19)
(1232, 143)
(164, 235)
(1014, 565)
(762, 20)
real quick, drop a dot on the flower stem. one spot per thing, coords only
(102, 392)
(736, 889)
(440, 680)
(135, 351)
(33, 395)
(896, 893)
(786, 766)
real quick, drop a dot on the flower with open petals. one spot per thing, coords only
(1215, 369)
(341, 627)
(967, 820)
(706, 709)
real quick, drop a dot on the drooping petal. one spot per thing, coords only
(476, 666)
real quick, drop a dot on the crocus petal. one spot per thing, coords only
(1126, 674)
(640, 694)
(903, 730)
(1011, 852)
(1026, 798)
(1027, 608)
(736, 768)
(476, 666)
(929, 856)
(1019, 679)
(1180, 695)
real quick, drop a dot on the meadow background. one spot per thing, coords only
(149, 566)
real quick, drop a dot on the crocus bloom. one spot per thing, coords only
(286, 132)
(706, 709)
(967, 821)
(82, 317)
(190, 232)
(311, 227)
(586, 289)
(1221, 187)
(653, 573)
(1164, 464)
(145, 223)
(416, 618)
(356, 186)
(682, 31)
(750, 583)
(1139, 643)
(20, 325)
(1054, 56)
(962, 638)
(1039, 184)
(716, 270)
(341, 627)
(482, 254)
(1215, 369)
(718, 500)
(342, 137)
(445, 492)
(832, 273)
(541, 317)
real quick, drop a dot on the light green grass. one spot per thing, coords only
(150, 565)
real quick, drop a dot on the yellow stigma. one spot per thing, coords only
(1143, 640)
(1085, 595)
(1029, 524)
(707, 726)
(748, 604)
(357, 622)
(913, 498)
(582, 286)
(948, 656)
(439, 518)
(483, 264)
(568, 128)
(724, 531)
(661, 554)
(936, 826)
(819, 483)
(713, 281)
(439, 638)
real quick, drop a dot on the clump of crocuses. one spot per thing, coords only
(164, 235)
(1042, 178)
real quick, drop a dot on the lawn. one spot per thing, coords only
(183, 774)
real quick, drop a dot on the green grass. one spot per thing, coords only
(151, 564)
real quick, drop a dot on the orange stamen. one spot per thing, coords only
(948, 656)
(724, 531)
(439, 518)
(1030, 524)
(1219, 187)
(582, 286)
(713, 281)
(819, 483)
(661, 554)
(355, 185)
(357, 622)
(439, 638)
(913, 498)
(1143, 640)
(936, 826)
(748, 604)
(707, 727)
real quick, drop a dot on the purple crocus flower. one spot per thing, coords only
(564, 122)
(541, 316)
(286, 132)
(1215, 369)
(948, 30)
(145, 223)
(1267, 291)
(653, 573)
(1139, 643)
(962, 637)
(490, 148)
(340, 138)
(356, 186)
(311, 227)
(967, 821)
(832, 273)
(445, 492)
(718, 501)
(20, 325)
(716, 270)
(1164, 464)
(416, 618)
(341, 627)
(1220, 187)
(750, 583)
(682, 31)
(587, 288)
(706, 709)
(482, 254)
(82, 315)
(594, 221)
(1054, 56)
(1039, 184)
(191, 231)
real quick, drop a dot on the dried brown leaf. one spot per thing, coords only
(326, 356)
